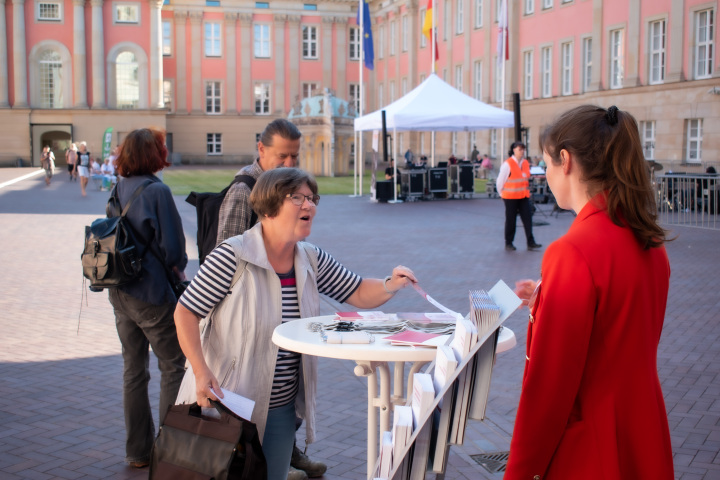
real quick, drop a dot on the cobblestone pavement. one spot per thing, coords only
(60, 363)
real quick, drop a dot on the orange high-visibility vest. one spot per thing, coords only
(517, 185)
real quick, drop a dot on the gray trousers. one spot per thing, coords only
(139, 325)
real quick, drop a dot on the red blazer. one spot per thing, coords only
(591, 405)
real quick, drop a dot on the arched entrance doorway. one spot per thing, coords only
(57, 137)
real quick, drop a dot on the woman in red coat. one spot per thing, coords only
(591, 405)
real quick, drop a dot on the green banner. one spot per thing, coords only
(106, 144)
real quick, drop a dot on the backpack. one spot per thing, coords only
(110, 257)
(207, 206)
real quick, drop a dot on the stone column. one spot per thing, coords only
(597, 41)
(676, 35)
(79, 66)
(294, 44)
(4, 79)
(631, 55)
(98, 55)
(156, 55)
(246, 54)
(279, 47)
(196, 42)
(231, 56)
(180, 58)
(341, 54)
(326, 49)
(19, 56)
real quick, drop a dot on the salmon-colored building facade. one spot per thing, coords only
(213, 73)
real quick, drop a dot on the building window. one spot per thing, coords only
(587, 63)
(214, 143)
(405, 34)
(528, 75)
(498, 81)
(478, 13)
(493, 143)
(128, 87)
(381, 96)
(393, 37)
(453, 141)
(310, 6)
(478, 80)
(354, 43)
(657, 52)
(547, 4)
(694, 140)
(262, 5)
(616, 59)
(529, 7)
(459, 18)
(704, 36)
(392, 91)
(167, 93)
(647, 132)
(49, 11)
(447, 19)
(212, 40)
(459, 77)
(567, 68)
(262, 98)
(423, 38)
(354, 95)
(166, 38)
(546, 72)
(261, 41)
(403, 86)
(212, 3)
(309, 89)
(310, 42)
(213, 98)
(381, 41)
(51, 94)
(125, 13)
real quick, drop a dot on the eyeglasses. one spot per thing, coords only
(299, 199)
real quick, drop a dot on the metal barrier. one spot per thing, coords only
(689, 200)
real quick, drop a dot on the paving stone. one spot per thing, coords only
(61, 386)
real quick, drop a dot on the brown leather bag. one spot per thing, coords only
(191, 445)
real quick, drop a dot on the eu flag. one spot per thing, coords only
(367, 35)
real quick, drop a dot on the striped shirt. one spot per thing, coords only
(212, 284)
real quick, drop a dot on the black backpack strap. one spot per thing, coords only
(250, 182)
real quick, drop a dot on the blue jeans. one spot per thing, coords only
(278, 441)
(140, 324)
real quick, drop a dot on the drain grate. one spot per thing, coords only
(492, 462)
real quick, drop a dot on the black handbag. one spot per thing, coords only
(191, 445)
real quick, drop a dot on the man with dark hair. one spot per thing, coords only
(279, 146)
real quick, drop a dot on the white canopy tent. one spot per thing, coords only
(435, 106)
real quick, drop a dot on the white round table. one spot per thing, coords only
(370, 358)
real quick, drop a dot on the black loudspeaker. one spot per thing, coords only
(438, 180)
(416, 183)
(384, 190)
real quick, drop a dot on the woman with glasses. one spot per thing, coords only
(250, 284)
(591, 405)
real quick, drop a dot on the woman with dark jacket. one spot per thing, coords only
(144, 309)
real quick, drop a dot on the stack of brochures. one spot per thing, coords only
(483, 311)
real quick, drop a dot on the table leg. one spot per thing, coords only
(368, 369)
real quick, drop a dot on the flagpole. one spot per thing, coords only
(359, 150)
(433, 55)
(503, 12)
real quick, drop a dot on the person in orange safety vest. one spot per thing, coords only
(514, 188)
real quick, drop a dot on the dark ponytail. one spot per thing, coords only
(606, 144)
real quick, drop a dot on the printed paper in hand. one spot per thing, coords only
(239, 405)
(434, 302)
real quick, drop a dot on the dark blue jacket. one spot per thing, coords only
(156, 224)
